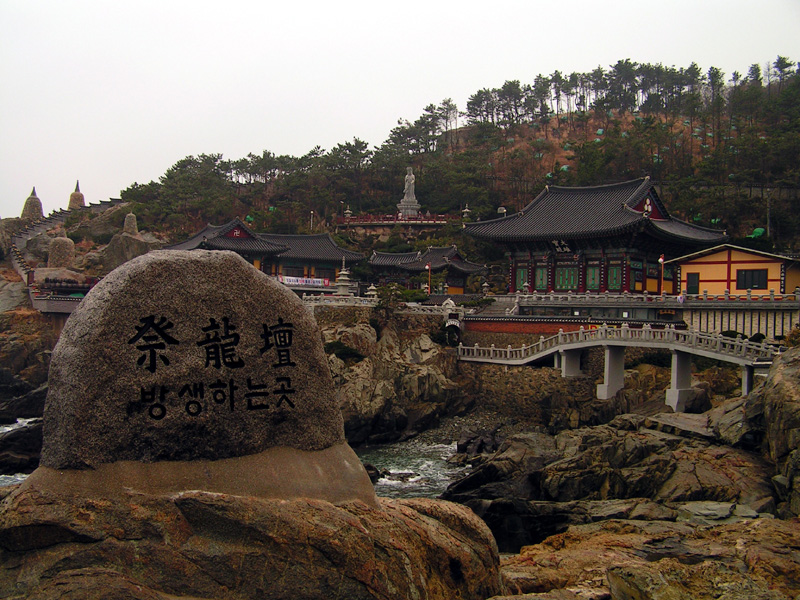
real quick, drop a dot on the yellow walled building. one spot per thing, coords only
(735, 269)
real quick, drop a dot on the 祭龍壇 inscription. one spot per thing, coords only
(219, 343)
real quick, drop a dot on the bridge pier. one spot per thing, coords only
(570, 362)
(747, 379)
(614, 372)
(680, 387)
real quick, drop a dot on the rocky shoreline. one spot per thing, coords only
(587, 499)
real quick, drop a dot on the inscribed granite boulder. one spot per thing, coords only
(181, 356)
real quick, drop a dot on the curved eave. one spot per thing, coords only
(666, 235)
(467, 268)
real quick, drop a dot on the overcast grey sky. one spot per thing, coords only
(113, 93)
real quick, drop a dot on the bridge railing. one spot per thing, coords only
(710, 342)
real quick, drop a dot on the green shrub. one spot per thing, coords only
(758, 338)
(412, 295)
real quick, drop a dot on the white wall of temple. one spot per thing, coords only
(771, 323)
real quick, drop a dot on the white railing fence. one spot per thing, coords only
(709, 342)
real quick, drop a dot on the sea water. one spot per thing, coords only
(18, 477)
(417, 469)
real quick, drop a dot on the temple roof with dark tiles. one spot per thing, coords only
(213, 237)
(319, 247)
(392, 259)
(437, 257)
(585, 212)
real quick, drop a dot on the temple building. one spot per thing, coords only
(235, 236)
(305, 263)
(595, 239)
(314, 257)
(736, 270)
(392, 267)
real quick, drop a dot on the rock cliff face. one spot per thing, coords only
(404, 383)
(772, 412)
(26, 339)
(635, 467)
(124, 247)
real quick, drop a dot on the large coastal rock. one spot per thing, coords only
(636, 467)
(203, 545)
(639, 560)
(193, 448)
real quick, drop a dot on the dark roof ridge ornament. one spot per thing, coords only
(77, 185)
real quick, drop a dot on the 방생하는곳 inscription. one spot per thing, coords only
(218, 348)
(180, 355)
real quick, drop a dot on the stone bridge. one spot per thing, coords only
(567, 347)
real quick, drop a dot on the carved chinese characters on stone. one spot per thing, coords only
(221, 347)
(153, 338)
(218, 347)
(178, 355)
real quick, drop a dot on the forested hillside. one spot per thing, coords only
(724, 147)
